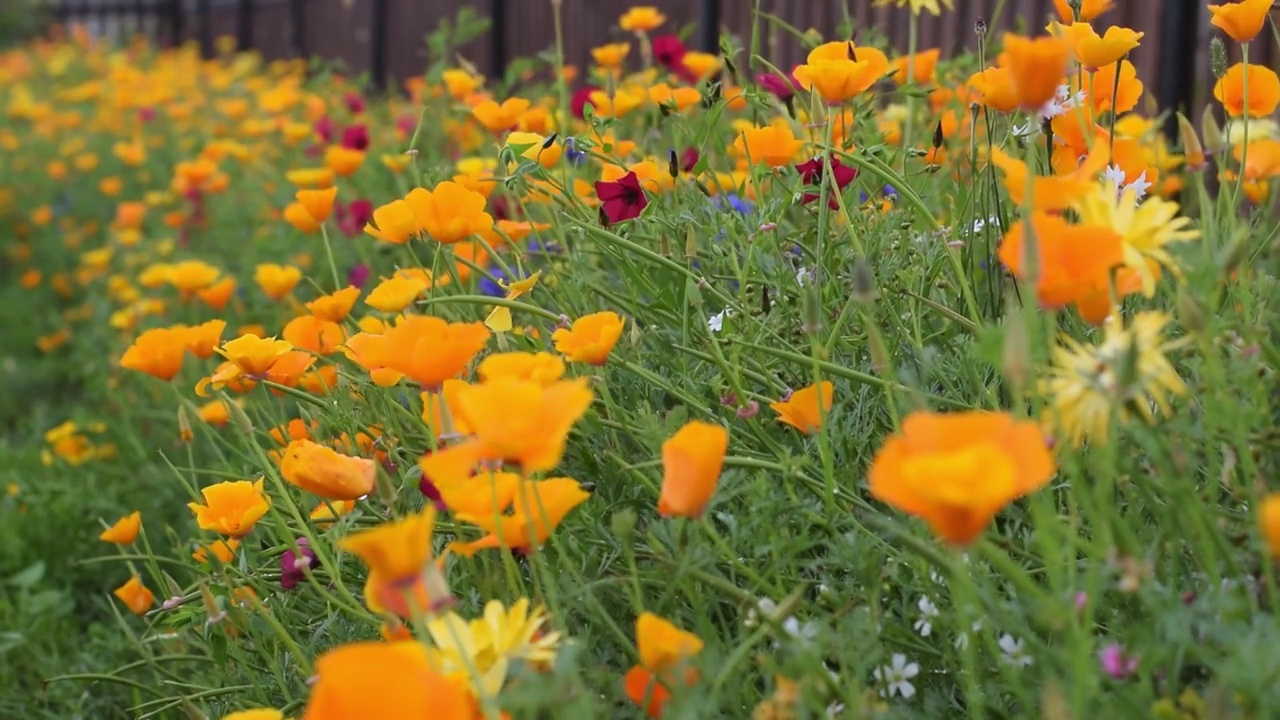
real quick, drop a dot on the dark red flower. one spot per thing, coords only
(325, 128)
(503, 207)
(356, 137)
(782, 87)
(580, 98)
(294, 564)
(621, 200)
(352, 217)
(146, 114)
(813, 171)
(668, 51)
(689, 159)
(355, 103)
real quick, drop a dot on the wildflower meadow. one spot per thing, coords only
(901, 383)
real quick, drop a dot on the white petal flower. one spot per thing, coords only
(896, 677)
(715, 323)
(1013, 652)
(928, 611)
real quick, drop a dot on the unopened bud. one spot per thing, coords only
(1191, 146)
(812, 310)
(864, 281)
(748, 411)
(1190, 314)
(690, 244)
(980, 27)
(184, 424)
(673, 164)
(238, 416)
(1214, 141)
(1236, 253)
(879, 353)
(623, 525)
(937, 135)
(1016, 357)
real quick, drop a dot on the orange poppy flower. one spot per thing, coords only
(1241, 20)
(663, 649)
(773, 145)
(500, 118)
(448, 213)
(1269, 523)
(277, 281)
(124, 531)
(839, 71)
(253, 355)
(522, 421)
(801, 410)
(158, 352)
(1262, 160)
(543, 368)
(1055, 192)
(611, 56)
(202, 340)
(1104, 95)
(386, 680)
(692, 459)
(402, 572)
(396, 293)
(135, 596)
(335, 306)
(1095, 51)
(923, 67)
(297, 216)
(217, 295)
(536, 148)
(682, 98)
(394, 222)
(1089, 9)
(1037, 66)
(460, 83)
(591, 338)
(308, 332)
(318, 203)
(538, 508)
(322, 471)
(231, 508)
(994, 88)
(1074, 262)
(224, 550)
(343, 161)
(641, 19)
(429, 350)
(1264, 90)
(957, 470)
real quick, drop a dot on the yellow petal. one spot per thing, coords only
(499, 320)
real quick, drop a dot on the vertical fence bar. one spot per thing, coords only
(1178, 30)
(244, 25)
(378, 44)
(206, 27)
(498, 37)
(297, 28)
(709, 25)
(176, 18)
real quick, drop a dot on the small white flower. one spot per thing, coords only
(962, 640)
(928, 611)
(896, 677)
(835, 709)
(803, 276)
(936, 577)
(1115, 175)
(805, 632)
(715, 323)
(1013, 652)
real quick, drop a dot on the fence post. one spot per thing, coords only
(498, 37)
(1178, 31)
(244, 25)
(709, 25)
(298, 28)
(176, 17)
(206, 29)
(378, 44)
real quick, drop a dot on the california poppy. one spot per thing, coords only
(957, 470)
(135, 596)
(403, 576)
(1264, 90)
(124, 531)
(538, 508)
(231, 508)
(692, 459)
(801, 411)
(1073, 264)
(325, 472)
(385, 680)
(157, 352)
(1241, 20)
(591, 338)
(1037, 66)
(839, 71)
(663, 648)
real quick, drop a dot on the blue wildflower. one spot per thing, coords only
(572, 153)
(491, 288)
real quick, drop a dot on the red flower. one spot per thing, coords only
(325, 128)
(581, 98)
(689, 159)
(407, 124)
(356, 137)
(781, 87)
(668, 51)
(621, 200)
(814, 170)
(355, 103)
(352, 218)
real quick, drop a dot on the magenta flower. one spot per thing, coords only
(669, 51)
(621, 200)
(780, 87)
(1116, 663)
(358, 275)
(293, 564)
(355, 103)
(581, 98)
(356, 137)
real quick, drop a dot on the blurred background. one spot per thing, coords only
(388, 41)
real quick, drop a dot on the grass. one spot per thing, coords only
(1136, 580)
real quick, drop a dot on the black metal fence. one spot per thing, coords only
(384, 37)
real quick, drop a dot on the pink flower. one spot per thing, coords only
(1116, 663)
(668, 51)
(782, 88)
(356, 137)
